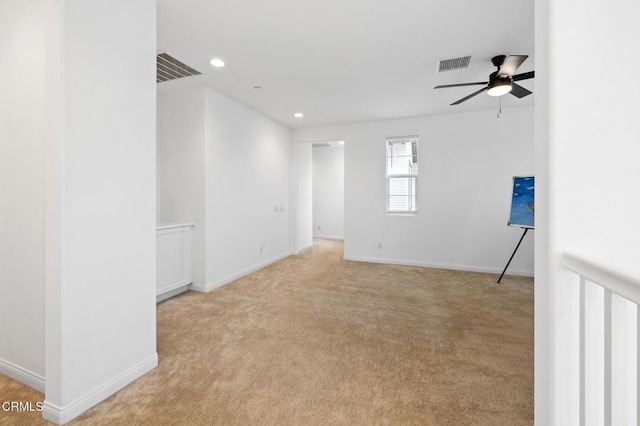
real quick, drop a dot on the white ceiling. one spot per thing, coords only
(340, 61)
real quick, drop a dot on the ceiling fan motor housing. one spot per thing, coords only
(497, 61)
(494, 76)
(499, 85)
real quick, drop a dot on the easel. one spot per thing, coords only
(514, 253)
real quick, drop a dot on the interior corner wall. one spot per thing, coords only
(247, 189)
(22, 192)
(305, 195)
(328, 192)
(467, 161)
(588, 152)
(181, 167)
(594, 138)
(100, 272)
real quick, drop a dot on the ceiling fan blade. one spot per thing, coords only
(523, 76)
(461, 84)
(510, 65)
(469, 97)
(519, 91)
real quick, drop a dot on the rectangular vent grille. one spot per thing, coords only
(321, 145)
(169, 68)
(453, 64)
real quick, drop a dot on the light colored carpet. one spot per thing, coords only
(315, 340)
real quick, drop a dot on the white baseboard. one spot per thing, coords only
(171, 287)
(297, 251)
(62, 415)
(329, 237)
(452, 266)
(304, 247)
(169, 294)
(22, 375)
(232, 277)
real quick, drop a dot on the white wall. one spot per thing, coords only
(226, 168)
(181, 167)
(543, 333)
(304, 197)
(587, 143)
(328, 192)
(100, 137)
(595, 147)
(467, 161)
(247, 175)
(22, 191)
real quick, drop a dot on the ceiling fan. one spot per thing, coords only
(501, 81)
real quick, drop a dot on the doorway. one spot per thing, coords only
(328, 190)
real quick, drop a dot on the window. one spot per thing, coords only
(402, 174)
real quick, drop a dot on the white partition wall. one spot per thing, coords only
(226, 168)
(100, 200)
(247, 189)
(304, 183)
(586, 164)
(22, 42)
(173, 259)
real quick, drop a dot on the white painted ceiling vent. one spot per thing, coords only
(169, 68)
(453, 64)
(321, 145)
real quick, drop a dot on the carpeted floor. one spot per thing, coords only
(315, 340)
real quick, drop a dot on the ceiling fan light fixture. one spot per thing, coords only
(499, 87)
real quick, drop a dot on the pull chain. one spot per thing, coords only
(499, 107)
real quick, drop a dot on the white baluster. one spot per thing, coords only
(607, 357)
(583, 334)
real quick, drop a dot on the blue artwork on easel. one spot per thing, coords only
(522, 202)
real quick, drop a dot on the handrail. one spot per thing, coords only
(619, 283)
(174, 225)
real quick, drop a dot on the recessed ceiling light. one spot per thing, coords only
(341, 143)
(217, 62)
(298, 115)
(257, 87)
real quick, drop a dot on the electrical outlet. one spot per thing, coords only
(281, 207)
(379, 244)
(275, 207)
(318, 227)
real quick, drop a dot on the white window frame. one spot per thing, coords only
(410, 176)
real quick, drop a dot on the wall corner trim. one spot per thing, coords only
(451, 266)
(62, 415)
(236, 275)
(22, 375)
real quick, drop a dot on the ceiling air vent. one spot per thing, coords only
(169, 68)
(321, 145)
(453, 64)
